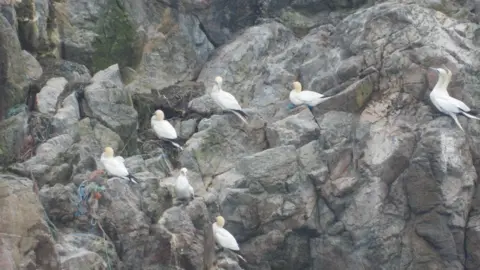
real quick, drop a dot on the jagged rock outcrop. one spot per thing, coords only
(372, 178)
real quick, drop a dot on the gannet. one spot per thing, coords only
(309, 98)
(115, 165)
(163, 129)
(183, 189)
(226, 101)
(444, 102)
(222, 236)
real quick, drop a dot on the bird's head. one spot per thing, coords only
(220, 221)
(441, 71)
(108, 151)
(297, 86)
(183, 171)
(218, 80)
(159, 115)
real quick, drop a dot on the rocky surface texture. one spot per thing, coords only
(373, 178)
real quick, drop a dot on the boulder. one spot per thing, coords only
(12, 67)
(27, 240)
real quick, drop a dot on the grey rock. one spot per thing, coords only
(49, 163)
(285, 201)
(79, 31)
(13, 138)
(67, 115)
(181, 230)
(372, 178)
(80, 249)
(111, 104)
(297, 130)
(23, 218)
(175, 50)
(187, 128)
(32, 16)
(215, 149)
(234, 62)
(8, 11)
(59, 202)
(12, 69)
(110, 74)
(72, 71)
(33, 69)
(47, 97)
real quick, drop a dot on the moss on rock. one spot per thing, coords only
(116, 39)
(13, 81)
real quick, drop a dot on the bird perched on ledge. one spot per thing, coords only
(115, 165)
(223, 237)
(226, 101)
(183, 189)
(444, 102)
(163, 129)
(304, 97)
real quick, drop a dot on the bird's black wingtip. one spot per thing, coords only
(474, 112)
(241, 112)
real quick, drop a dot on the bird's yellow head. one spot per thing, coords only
(108, 151)
(220, 221)
(183, 171)
(441, 71)
(297, 86)
(159, 115)
(218, 80)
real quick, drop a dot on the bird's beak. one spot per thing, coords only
(432, 69)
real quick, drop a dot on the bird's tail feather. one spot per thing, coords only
(239, 116)
(456, 121)
(176, 145)
(133, 178)
(470, 116)
(236, 252)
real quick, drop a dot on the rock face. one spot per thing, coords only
(26, 239)
(12, 81)
(374, 177)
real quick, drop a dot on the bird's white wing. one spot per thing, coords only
(119, 159)
(310, 97)
(451, 104)
(164, 129)
(115, 166)
(192, 192)
(226, 101)
(226, 239)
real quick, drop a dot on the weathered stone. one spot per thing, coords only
(12, 137)
(32, 67)
(47, 97)
(297, 129)
(33, 26)
(67, 115)
(111, 104)
(12, 69)
(27, 242)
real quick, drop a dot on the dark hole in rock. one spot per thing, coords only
(169, 112)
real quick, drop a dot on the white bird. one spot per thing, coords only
(115, 165)
(309, 98)
(163, 129)
(183, 189)
(444, 102)
(226, 101)
(222, 236)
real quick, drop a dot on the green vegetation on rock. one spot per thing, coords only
(363, 93)
(116, 36)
